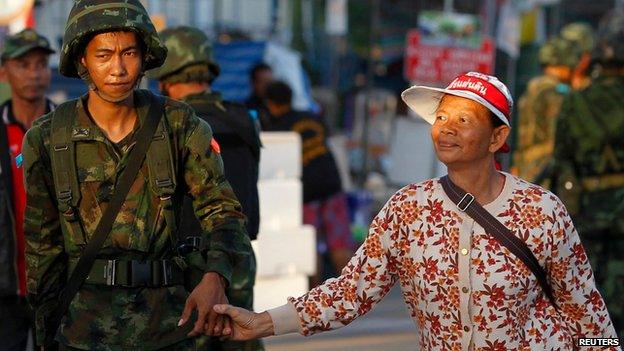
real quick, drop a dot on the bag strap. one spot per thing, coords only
(125, 181)
(162, 176)
(63, 157)
(466, 203)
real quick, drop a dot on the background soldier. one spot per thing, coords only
(590, 147)
(134, 294)
(186, 75)
(539, 106)
(25, 66)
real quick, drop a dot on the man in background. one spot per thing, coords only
(25, 66)
(589, 160)
(325, 204)
(260, 76)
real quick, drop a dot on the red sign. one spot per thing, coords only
(438, 65)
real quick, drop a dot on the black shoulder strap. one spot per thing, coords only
(126, 179)
(465, 202)
(63, 157)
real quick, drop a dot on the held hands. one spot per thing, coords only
(246, 325)
(209, 292)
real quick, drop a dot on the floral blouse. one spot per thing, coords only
(464, 290)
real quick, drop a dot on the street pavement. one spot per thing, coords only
(387, 327)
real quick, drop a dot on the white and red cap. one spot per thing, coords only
(482, 88)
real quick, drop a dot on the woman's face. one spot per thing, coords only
(463, 132)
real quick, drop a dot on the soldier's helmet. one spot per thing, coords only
(90, 17)
(582, 35)
(558, 52)
(190, 57)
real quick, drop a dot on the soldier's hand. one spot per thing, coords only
(209, 292)
(246, 325)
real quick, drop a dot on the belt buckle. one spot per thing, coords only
(109, 272)
(140, 273)
(470, 199)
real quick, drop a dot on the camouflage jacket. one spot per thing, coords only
(101, 317)
(538, 109)
(589, 154)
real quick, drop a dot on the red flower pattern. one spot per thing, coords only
(415, 239)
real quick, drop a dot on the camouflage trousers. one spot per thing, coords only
(185, 345)
(605, 250)
(239, 293)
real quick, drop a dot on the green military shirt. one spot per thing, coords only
(538, 109)
(589, 159)
(103, 317)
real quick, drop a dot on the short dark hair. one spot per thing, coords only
(279, 92)
(496, 121)
(257, 68)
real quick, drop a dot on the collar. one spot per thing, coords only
(205, 99)
(8, 117)
(85, 129)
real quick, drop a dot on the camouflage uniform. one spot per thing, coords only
(538, 109)
(190, 59)
(105, 317)
(590, 154)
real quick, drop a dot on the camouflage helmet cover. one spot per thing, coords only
(189, 49)
(580, 34)
(21, 43)
(89, 17)
(559, 52)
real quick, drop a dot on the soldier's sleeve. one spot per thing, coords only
(45, 257)
(214, 202)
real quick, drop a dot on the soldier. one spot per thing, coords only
(590, 148)
(25, 66)
(538, 109)
(187, 75)
(119, 271)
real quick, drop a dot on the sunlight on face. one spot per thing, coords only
(114, 61)
(463, 131)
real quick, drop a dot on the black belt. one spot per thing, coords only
(134, 273)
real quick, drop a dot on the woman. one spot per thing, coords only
(464, 290)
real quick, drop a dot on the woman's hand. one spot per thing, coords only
(246, 325)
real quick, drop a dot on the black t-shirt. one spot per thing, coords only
(320, 173)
